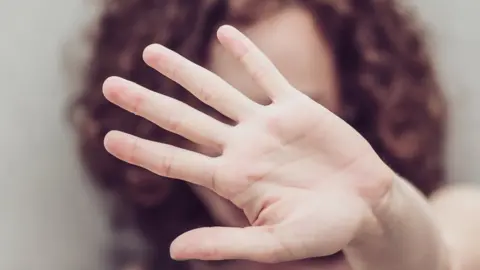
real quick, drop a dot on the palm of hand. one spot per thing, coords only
(304, 178)
(292, 168)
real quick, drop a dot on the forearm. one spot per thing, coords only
(457, 210)
(407, 239)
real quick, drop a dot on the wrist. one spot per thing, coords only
(379, 199)
(377, 219)
(400, 234)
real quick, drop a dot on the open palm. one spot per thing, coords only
(305, 179)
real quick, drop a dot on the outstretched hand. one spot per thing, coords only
(307, 181)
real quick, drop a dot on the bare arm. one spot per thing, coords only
(409, 238)
(457, 210)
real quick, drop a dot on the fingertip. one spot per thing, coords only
(232, 39)
(107, 84)
(110, 84)
(113, 140)
(226, 30)
(176, 251)
(193, 245)
(151, 52)
(224, 34)
(107, 140)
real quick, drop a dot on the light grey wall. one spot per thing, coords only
(51, 220)
(456, 37)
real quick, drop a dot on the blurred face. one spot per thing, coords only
(292, 40)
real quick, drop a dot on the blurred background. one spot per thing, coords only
(50, 218)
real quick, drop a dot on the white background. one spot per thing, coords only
(50, 219)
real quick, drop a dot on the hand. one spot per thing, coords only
(306, 180)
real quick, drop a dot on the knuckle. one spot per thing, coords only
(168, 168)
(271, 257)
(209, 253)
(173, 123)
(164, 166)
(133, 156)
(174, 71)
(137, 104)
(223, 179)
(205, 94)
(260, 73)
(178, 68)
(216, 177)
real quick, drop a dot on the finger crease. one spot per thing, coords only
(133, 154)
(168, 165)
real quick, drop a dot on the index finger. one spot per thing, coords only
(205, 85)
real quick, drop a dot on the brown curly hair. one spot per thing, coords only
(387, 86)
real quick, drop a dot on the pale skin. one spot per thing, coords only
(307, 182)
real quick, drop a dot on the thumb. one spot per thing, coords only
(225, 243)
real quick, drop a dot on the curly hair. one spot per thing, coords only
(387, 87)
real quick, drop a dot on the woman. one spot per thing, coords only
(318, 194)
